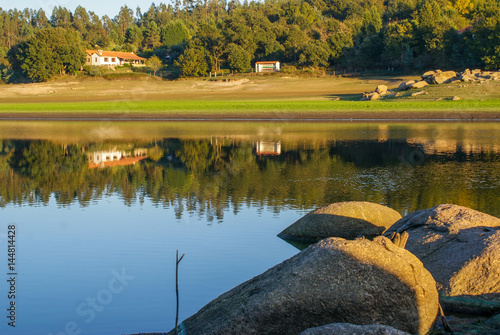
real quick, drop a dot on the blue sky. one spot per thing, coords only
(100, 7)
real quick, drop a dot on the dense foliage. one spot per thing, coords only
(348, 34)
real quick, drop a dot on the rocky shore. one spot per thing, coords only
(435, 77)
(391, 284)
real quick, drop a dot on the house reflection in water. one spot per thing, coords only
(109, 158)
(268, 148)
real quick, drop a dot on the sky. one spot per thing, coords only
(100, 7)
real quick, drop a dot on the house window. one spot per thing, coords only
(96, 59)
(88, 59)
(113, 60)
(106, 59)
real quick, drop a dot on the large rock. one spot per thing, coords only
(342, 219)
(461, 248)
(406, 85)
(443, 77)
(381, 89)
(350, 329)
(428, 74)
(418, 84)
(360, 282)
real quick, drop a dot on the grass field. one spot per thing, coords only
(247, 97)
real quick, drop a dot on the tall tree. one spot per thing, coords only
(50, 52)
(175, 33)
(151, 35)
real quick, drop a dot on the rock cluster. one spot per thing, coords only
(340, 286)
(439, 77)
(436, 77)
(360, 282)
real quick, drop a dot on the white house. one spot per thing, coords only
(112, 58)
(114, 157)
(263, 148)
(267, 66)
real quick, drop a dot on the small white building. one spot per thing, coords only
(113, 58)
(267, 66)
(263, 148)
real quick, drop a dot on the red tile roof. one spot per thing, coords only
(121, 162)
(267, 62)
(463, 30)
(118, 54)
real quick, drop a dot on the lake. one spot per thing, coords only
(99, 208)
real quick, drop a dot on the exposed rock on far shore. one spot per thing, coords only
(439, 77)
(381, 89)
(335, 280)
(350, 329)
(461, 248)
(343, 219)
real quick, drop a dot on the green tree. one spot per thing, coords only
(154, 63)
(134, 35)
(314, 53)
(193, 63)
(174, 33)
(50, 52)
(239, 58)
(339, 39)
(398, 37)
(152, 35)
(61, 17)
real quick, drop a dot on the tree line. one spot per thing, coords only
(204, 35)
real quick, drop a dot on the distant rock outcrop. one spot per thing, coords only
(342, 219)
(461, 248)
(335, 280)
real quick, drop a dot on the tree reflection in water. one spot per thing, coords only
(206, 175)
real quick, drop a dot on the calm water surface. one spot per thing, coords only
(100, 208)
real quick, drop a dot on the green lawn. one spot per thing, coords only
(259, 107)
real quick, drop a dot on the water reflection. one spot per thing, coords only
(218, 192)
(406, 167)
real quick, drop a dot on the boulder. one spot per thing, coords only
(443, 77)
(461, 248)
(418, 84)
(406, 85)
(455, 98)
(370, 96)
(350, 329)
(466, 78)
(342, 219)
(334, 280)
(418, 93)
(428, 74)
(381, 89)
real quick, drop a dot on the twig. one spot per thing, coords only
(446, 326)
(177, 261)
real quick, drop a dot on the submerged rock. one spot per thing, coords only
(335, 280)
(461, 248)
(342, 219)
(350, 329)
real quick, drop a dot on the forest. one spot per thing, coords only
(195, 37)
